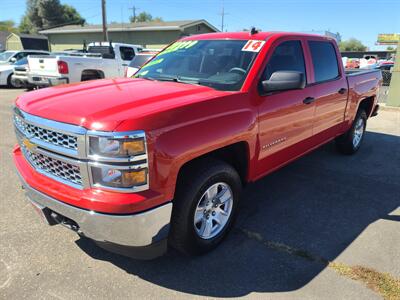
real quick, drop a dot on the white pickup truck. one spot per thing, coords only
(102, 60)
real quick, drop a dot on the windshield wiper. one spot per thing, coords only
(176, 79)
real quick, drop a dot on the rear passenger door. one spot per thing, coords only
(330, 89)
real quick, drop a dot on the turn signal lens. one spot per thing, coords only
(119, 178)
(132, 178)
(133, 147)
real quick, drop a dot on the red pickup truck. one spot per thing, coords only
(137, 164)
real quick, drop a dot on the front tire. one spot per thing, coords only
(204, 207)
(350, 141)
(9, 82)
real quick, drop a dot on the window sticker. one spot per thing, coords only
(177, 46)
(253, 46)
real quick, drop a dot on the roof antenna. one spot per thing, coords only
(253, 30)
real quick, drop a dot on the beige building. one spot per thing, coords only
(148, 34)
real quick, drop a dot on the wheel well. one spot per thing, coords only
(9, 79)
(91, 74)
(236, 155)
(367, 105)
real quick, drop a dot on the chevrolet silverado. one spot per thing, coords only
(137, 164)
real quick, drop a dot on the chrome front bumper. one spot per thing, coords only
(136, 230)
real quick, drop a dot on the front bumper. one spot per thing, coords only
(44, 81)
(141, 235)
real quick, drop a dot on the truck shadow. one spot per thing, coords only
(318, 204)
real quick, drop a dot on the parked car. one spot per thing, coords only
(139, 60)
(102, 60)
(137, 164)
(7, 69)
(353, 63)
(19, 77)
(10, 57)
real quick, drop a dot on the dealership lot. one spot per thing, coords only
(295, 227)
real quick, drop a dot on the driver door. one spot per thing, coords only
(285, 117)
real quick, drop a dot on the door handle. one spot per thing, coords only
(342, 91)
(308, 100)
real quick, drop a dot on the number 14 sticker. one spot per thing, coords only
(253, 46)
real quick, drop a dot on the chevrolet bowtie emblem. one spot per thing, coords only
(28, 144)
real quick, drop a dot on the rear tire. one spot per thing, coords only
(199, 219)
(350, 141)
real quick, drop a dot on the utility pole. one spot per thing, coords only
(104, 15)
(134, 8)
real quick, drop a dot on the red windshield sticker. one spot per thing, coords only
(253, 46)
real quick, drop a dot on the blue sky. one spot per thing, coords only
(362, 19)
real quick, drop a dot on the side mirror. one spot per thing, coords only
(284, 80)
(13, 59)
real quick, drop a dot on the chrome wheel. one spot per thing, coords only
(213, 210)
(358, 132)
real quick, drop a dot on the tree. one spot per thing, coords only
(43, 14)
(8, 25)
(390, 48)
(352, 45)
(145, 17)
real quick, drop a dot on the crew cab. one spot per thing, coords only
(101, 60)
(161, 159)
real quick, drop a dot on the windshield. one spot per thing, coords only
(139, 60)
(23, 61)
(219, 64)
(6, 55)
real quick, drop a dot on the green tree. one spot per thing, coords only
(352, 45)
(145, 17)
(43, 14)
(8, 25)
(390, 48)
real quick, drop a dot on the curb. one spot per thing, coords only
(383, 106)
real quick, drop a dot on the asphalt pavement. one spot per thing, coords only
(299, 234)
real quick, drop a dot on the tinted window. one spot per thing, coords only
(324, 60)
(21, 55)
(127, 53)
(288, 56)
(139, 60)
(219, 64)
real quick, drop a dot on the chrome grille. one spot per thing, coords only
(46, 135)
(53, 167)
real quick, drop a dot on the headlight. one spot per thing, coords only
(116, 147)
(115, 177)
(118, 160)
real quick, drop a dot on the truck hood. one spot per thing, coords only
(104, 104)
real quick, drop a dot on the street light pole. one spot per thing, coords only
(104, 15)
